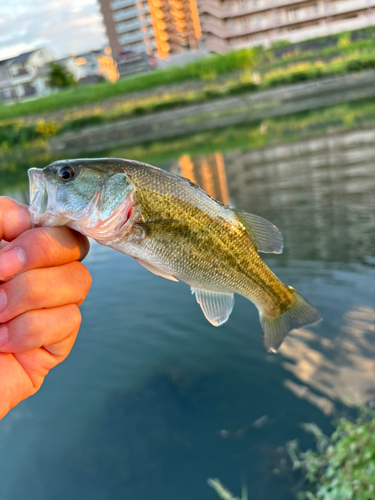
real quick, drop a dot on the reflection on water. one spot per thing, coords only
(154, 400)
(318, 192)
(340, 368)
(206, 171)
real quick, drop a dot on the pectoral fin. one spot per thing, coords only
(215, 306)
(265, 236)
(155, 270)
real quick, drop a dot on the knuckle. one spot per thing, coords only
(5, 203)
(23, 288)
(46, 245)
(82, 278)
(84, 246)
(74, 317)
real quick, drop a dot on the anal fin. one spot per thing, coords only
(216, 306)
(155, 270)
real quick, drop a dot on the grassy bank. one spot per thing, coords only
(16, 160)
(326, 56)
(257, 69)
(207, 68)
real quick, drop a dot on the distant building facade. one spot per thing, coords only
(232, 24)
(25, 76)
(153, 27)
(90, 66)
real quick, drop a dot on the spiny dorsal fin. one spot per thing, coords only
(196, 186)
(265, 236)
(216, 306)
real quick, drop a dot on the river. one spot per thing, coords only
(153, 400)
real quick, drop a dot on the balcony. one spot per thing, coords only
(121, 15)
(23, 78)
(284, 18)
(327, 9)
(130, 26)
(118, 4)
(304, 33)
(126, 39)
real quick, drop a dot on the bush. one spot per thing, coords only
(359, 65)
(343, 465)
(16, 133)
(85, 121)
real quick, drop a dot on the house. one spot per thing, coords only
(25, 76)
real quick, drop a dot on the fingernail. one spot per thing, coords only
(4, 335)
(11, 263)
(3, 300)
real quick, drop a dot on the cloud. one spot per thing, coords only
(63, 26)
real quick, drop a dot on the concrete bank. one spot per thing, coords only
(219, 113)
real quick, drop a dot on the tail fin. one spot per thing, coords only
(300, 313)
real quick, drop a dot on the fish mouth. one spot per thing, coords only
(43, 201)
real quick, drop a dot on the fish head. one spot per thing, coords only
(90, 196)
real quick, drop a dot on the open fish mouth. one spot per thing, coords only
(43, 201)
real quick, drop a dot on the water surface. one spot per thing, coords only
(154, 400)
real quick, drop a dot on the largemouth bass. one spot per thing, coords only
(175, 230)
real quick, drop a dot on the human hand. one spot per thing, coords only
(41, 287)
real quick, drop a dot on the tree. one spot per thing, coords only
(60, 77)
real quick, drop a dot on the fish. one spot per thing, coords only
(174, 229)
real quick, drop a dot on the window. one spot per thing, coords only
(293, 14)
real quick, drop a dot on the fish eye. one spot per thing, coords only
(66, 173)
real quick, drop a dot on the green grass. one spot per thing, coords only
(260, 133)
(207, 68)
(330, 55)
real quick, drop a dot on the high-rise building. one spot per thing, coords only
(232, 24)
(154, 27)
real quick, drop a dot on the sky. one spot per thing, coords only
(63, 26)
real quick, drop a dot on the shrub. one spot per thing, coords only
(343, 465)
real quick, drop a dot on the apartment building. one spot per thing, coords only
(153, 27)
(232, 24)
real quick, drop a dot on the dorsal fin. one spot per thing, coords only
(196, 186)
(216, 306)
(265, 236)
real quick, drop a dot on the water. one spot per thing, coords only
(154, 400)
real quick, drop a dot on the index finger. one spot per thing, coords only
(14, 218)
(42, 247)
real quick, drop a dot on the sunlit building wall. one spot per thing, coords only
(176, 25)
(129, 27)
(232, 24)
(155, 27)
